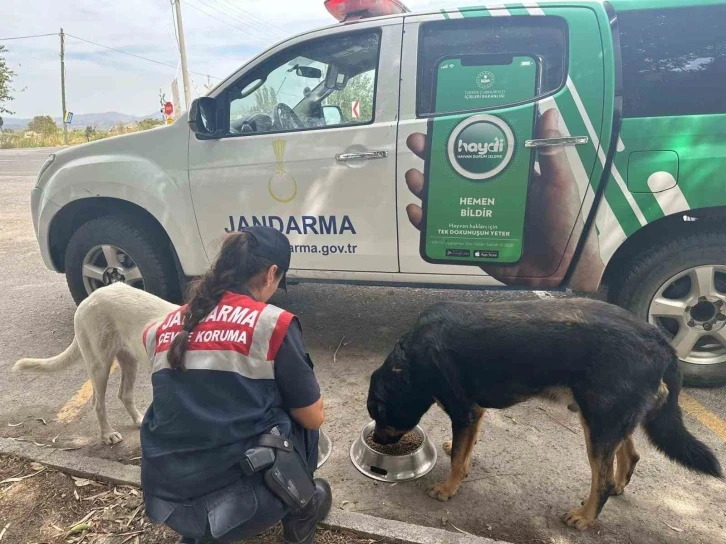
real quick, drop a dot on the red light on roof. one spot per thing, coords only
(346, 10)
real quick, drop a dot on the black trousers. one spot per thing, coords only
(237, 512)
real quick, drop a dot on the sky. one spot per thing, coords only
(221, 35)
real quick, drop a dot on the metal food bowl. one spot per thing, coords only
(325, 448)
(392, 468)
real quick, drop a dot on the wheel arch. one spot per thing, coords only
(659, 231)
(78, 212)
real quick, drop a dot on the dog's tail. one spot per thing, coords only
(71, 355)
(665, 429)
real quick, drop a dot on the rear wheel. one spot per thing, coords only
(680, 287)
(118, 249)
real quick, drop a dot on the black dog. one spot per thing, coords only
(616, 369)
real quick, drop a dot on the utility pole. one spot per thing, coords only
(63, 85)
(175, 97)
(182, 52)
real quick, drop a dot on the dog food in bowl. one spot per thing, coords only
(410, 442)
(411, 458)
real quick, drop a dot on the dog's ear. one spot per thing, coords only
(399, 358)
(399, 351)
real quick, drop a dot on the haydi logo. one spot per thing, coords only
(480, 147)
(497, 146)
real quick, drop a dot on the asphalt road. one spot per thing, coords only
(529, 467)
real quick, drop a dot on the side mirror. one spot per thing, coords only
(333, 115)
(203, 117)
(308, 72)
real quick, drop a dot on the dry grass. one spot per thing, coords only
(17, 140)
(40, 505)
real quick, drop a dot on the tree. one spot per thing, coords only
(146, 124)
(265, 100)
(359, 88)
(43, 124)
(6, 78)
(667, 63)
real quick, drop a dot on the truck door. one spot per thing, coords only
(574, 101)
(310, 150)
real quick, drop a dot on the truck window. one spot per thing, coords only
(292, 91)
(674, 61)
(543, 37)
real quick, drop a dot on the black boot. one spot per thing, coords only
(299, 527)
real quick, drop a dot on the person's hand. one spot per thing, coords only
(552, 227)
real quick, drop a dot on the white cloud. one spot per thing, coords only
(99, 80)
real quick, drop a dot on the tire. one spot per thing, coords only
(675, 273)
(136, 242)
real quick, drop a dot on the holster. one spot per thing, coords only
(288, 477)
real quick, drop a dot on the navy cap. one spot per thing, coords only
(273, 246)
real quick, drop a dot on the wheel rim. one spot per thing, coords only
(691, 309)
(107, 264)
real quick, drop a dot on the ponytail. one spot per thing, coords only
(234, 268)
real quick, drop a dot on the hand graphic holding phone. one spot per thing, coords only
(552, 218)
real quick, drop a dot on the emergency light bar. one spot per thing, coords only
(347, 10)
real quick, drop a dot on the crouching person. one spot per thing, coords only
(230, 441)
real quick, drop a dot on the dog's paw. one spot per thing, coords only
(441, 491)
(617, 490)
(575, 518)
(447, 447)
(112, 438)
(138, 418)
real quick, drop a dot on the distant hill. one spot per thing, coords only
(99, 120)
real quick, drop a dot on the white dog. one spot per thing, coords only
(108, 326)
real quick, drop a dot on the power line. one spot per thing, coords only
(213, 17)
(135, 55)
(228, 12)
(251, 19)
(246, 31)
(279, 29)
(26, 37)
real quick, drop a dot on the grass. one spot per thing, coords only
(18, 139)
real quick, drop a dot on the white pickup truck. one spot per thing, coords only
(328, 137)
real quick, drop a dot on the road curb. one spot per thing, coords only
(120, 474)
(73, 463)
(398, 531)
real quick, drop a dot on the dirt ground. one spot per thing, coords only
(40, 505)
(529, 467)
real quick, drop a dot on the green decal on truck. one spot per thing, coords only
(478, 168)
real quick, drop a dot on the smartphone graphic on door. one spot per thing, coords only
(478, 169)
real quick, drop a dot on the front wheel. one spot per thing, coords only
(680, 287)
(118, 249)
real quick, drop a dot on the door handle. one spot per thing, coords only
(552, 142)
(366, 155)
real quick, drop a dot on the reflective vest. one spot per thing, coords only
(202, 420)
(239, 335)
